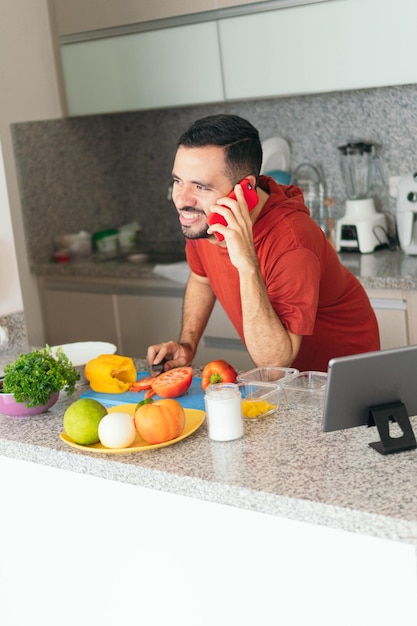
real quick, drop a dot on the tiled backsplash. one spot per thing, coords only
(96, 172)
(13, 331)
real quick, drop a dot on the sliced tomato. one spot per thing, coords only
(143, 384)
(173, 383)
(149, 393)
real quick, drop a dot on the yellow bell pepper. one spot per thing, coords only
(110, 373)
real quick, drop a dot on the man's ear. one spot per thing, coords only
(252, 179)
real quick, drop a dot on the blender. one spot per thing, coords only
(362, 229)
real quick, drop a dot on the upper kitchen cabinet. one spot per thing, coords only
(120, 55)
(236, 51)
(330, 46)
(227, 4)
(82, 16)
(79, 16)
(168, 67)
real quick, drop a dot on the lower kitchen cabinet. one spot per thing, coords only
(133, 316)
(221, 338)
(392, 312)
(411, 298)
(70, 316)
(124, 312)
(146, 320)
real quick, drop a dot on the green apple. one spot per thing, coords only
(81, 420)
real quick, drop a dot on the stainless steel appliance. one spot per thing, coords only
(362, 229)
(407, 213)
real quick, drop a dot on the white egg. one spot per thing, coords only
(116, 430)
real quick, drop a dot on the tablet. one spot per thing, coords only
(371, 379)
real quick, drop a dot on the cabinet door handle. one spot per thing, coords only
(388, 304)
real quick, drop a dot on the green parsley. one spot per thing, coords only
(35, 376)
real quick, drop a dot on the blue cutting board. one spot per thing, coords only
(193, 399)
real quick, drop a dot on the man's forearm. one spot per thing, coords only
(267, 340)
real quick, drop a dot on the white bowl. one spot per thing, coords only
(81, 352)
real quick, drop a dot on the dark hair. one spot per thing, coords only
(243, 149)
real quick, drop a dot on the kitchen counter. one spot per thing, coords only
(381, 269)
(284, 466)
(287, 513)
(91, 268)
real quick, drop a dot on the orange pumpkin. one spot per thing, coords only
(160, 421)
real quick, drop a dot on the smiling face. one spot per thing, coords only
(199, 180)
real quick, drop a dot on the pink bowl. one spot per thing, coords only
(9, 406)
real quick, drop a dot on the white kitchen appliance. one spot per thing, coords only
(407, 213)
(362, 229)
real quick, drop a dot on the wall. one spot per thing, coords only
(95, 172)
(29, 88)
(10, 294)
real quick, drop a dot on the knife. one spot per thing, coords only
(159, 367)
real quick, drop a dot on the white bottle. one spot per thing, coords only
(224, 412)
(4, 337)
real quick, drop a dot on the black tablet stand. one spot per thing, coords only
(381, 416)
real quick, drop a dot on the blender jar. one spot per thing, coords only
(356, 168)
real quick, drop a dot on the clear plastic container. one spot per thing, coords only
(306, 389)
(267, 374)
(259, 399)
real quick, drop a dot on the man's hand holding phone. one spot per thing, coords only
(251, 198)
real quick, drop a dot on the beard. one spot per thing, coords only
(194, 231)
(189, 233)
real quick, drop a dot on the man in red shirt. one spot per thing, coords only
(274, 272)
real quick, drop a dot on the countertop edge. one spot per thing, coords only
(293, 508)
(384, 269)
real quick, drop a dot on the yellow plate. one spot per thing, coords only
(193, 420)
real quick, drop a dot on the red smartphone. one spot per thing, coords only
(251, 198)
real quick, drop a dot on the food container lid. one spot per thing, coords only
(310, 382)
(271, 374)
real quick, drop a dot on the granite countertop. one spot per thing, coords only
(284, 466)
(383, 269)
